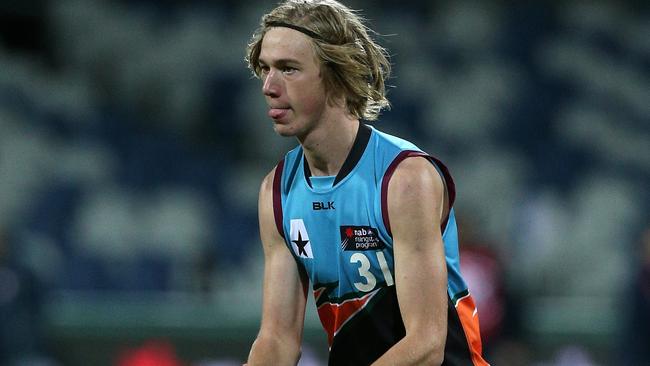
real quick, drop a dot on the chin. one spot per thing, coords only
(284, 130)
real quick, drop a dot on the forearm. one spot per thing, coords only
(273, 351)
(413, 351)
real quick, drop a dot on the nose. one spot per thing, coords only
(270, 87)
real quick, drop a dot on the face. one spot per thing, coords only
(292, 83)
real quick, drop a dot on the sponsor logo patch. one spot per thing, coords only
(360, 238)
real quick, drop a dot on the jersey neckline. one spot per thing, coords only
(356, 152)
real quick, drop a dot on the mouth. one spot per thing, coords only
(278, 113)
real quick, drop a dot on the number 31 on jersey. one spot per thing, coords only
(364, 271)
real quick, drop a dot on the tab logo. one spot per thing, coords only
(300, 239)
(360, 238)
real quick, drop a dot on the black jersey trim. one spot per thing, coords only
(358, 147)
(355, 154)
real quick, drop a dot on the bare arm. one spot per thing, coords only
(285, 293)
(416, 205)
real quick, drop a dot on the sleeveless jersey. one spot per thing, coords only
(338, 230)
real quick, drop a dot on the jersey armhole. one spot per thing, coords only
(450, 187)
(277, 197)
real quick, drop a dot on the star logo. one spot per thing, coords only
(301, 244)
(299, 239)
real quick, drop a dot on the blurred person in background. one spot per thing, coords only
(21, 338)
(482, 269)
(152, 352)
(636, 341)
(364, 216)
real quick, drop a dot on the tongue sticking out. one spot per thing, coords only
(277, 113)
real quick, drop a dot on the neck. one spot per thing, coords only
(327, 146)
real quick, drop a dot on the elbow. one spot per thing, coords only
(268, 350)
(436, 358)
(434, 353)
(422, 352)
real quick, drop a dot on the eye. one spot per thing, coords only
(288, 70)
(264, 69)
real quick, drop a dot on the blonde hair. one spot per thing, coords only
(353, 66)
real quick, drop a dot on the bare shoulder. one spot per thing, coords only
(270, 228)
(267, 182)
(416, 197)
(413, 176)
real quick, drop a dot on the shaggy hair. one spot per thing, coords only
(354, 68)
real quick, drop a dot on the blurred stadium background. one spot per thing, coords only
(133, 141)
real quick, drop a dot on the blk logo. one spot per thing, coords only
(317, 206)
